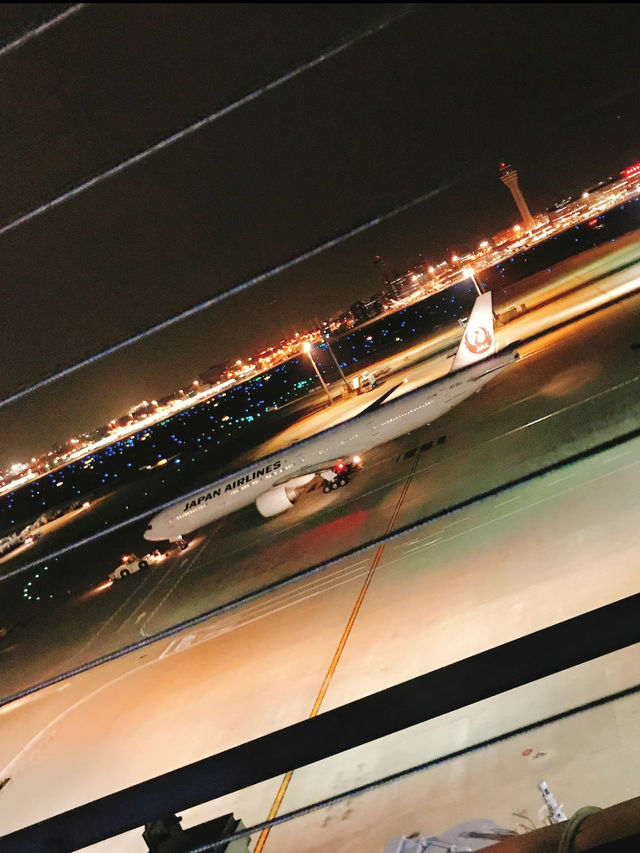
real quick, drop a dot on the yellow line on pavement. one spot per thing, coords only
(273, 811)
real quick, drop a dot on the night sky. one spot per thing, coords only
(434, 101)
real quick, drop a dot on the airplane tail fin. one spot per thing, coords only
(478, 341)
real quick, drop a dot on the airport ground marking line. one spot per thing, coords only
(186, 569)
(296, 589)
(36, 738)
(136, 604)
(567, 476)
(617, 456)
(527, 425)
(172, 642)
(110, 618)
(54, 722)
(521, 400)
(319, 583)
(167, 634)
(509, 500)
(148, 592)
(516, 511)
(132, 671)
(237, 620)
(502, 435)
(256, 617)
(443, 527)
(115, 613)
(262, 838)
(457, 521)
(465, 518)
(425, 545)
(183, 561)
(574, 405)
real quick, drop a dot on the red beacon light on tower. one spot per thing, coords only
(631, 171)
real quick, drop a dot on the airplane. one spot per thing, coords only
(275, 481)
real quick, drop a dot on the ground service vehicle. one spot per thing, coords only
(131, 564)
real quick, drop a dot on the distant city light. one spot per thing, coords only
(631, 171)
(587, 209)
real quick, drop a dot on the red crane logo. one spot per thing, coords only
(478, 340)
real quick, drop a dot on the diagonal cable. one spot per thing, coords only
(39, 30)
(364, 33)
(232, 291)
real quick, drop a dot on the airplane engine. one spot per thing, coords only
(273, 502)
(279, 498)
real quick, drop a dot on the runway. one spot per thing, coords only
(499, 569)
(530, 556)
(571, 390)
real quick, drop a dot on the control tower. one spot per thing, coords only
(509, 178)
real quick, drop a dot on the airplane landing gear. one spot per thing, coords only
(181, 543)
(334, 484)
(338, 476)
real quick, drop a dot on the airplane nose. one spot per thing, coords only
(148, 532)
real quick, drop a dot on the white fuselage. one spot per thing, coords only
(361, 433)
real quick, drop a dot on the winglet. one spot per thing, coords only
(478, 341)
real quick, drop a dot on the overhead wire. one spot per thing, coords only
(367, 31)
(329, 53)
(234, 290)
(204, 305)
(40, 29)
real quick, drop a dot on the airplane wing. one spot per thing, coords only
(328, 464)
(380, 400)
